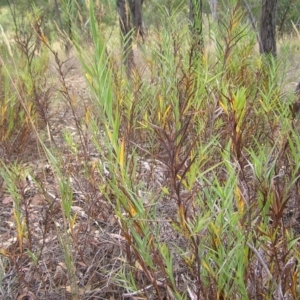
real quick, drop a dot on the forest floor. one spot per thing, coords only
(37, 269)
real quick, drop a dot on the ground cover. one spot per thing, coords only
(180, 182)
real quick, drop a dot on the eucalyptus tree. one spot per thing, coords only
(267, 33)
(196, 23)
(130, 18)
(214, 5)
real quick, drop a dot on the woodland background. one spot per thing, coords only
(149, 149)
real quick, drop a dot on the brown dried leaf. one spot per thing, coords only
(7, 200)
(38, 199)
(27, 296)
(6, 243)
(60, 277)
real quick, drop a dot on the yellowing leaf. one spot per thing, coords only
(160, 100)
(44, 39)
(204, 58)
(121, 154)
(181, 213)
(216, 234)
(239, 200)
(206, 266)
(89, 78)
(190, 260)
(87, 116)
(183, 181)
(109, 133)
(132, 210)
(166, 114)
(224, 107)
(73, 220)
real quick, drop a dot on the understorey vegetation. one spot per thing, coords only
(175, 179)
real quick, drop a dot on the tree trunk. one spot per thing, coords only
(126, 30)
(196, 23)
(57, 8)
(268, 27)
(213, 4)
(136, 12)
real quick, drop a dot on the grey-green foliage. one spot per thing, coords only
(58, 14)
(288, 12)
(155, 9)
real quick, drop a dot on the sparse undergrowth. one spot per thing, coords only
(180, 182)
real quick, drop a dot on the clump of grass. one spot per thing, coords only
(26, 90)
(196, 162)
(213, 131)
